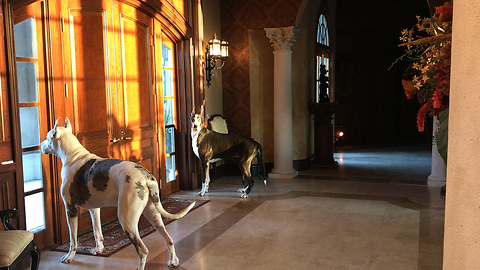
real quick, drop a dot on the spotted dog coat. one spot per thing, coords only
(91, 182)
(210, 146)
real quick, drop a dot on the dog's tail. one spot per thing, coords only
(154, 191)
(259, 155)
(166, 214)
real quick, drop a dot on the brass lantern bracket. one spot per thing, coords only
(215, 51)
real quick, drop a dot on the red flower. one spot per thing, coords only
(421, 96)
(437, 98)
(445, 12)
(421, 117)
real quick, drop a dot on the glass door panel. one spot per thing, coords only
(32, 170)
(24, 33)
(169, 110)
(32, 112)
(29, 126)
(171, 169)
(168, 82)
(35, 212)
(27, 84)
(168, 85)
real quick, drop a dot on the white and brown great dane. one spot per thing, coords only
(210, 146)
(91, 182)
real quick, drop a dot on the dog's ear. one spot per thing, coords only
(55, 127)
(193, 113)
(68, 125)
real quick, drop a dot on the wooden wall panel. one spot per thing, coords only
(8, 166)
(5, 138)
(7, 193)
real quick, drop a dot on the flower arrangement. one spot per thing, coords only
(428, 46)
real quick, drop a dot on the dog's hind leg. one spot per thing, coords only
(260, 161)
(155, 219)
(245, 167)
(245, 184)
(97, 231)
(128, 216)
(72, 220)
(247, 188)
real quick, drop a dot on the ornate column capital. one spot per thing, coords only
(282, 38)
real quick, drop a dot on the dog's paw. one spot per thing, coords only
(242, 190)
(203, 191)
(96, 250)
(173, 262)
(66, 258)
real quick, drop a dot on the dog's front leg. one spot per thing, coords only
(72, 220)
(206, 177)
(97, 231)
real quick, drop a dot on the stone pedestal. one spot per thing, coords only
(438, 173)
(323, 134)
(282, 40)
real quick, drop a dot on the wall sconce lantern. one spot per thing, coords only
(216, 50)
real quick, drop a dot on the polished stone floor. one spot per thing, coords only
(374, 211)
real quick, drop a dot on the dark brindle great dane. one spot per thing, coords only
(210, 146)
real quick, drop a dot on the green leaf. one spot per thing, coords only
(442, 135)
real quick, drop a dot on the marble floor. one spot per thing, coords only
(374, 211)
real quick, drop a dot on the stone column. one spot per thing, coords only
(282, 40)
(462, 206)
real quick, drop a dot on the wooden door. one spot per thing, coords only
(108, 60)
(89, 55)
(90, 69)
(136, 101)
(32, 88)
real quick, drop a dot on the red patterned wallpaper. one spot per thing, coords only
(237, 17)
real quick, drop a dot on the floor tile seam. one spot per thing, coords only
(405, 201)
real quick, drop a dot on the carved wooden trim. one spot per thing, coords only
(173, 21)
(5, 195)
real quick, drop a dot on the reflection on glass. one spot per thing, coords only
(169, 140)
(171, 173)
(166, 56)
(34, 212)
(29, 126)
(32, 170)
(168, 111)
(24, 33)
(167, 83)
(27, 82)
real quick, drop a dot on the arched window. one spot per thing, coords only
(322, 53)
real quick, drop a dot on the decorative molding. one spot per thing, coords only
(5, 195)
(282, 38)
